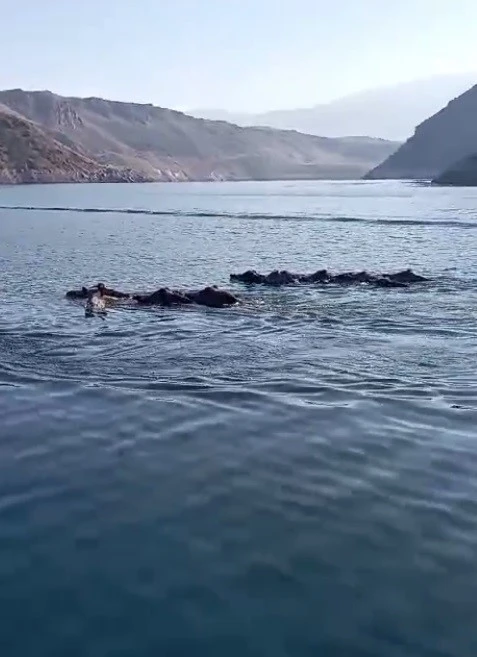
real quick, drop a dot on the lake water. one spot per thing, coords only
(295, 476)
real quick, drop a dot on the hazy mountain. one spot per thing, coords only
(389, 112)
(28, 154)
(438, 143)
(162, 144)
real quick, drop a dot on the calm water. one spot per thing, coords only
(293, 477)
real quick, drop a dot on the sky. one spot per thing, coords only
(242, 55)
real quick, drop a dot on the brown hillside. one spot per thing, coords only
(27, 154)
(164, 144)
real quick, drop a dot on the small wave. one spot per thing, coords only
(247, 216)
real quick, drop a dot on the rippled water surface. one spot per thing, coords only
(295, 476)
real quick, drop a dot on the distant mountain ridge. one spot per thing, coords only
(440, 143)
(152, 143)
(389, 112)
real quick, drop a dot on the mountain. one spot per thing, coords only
(461, 174)
(437, 144)
(389, 112)
(163, 144)
(28, 154)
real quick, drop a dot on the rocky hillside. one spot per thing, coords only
(162, 144)
(437, 144)
(30, 155)
(461, 174)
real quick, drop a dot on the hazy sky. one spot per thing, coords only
(234, 54)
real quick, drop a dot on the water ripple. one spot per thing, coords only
(294, 476)
(200, 214)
